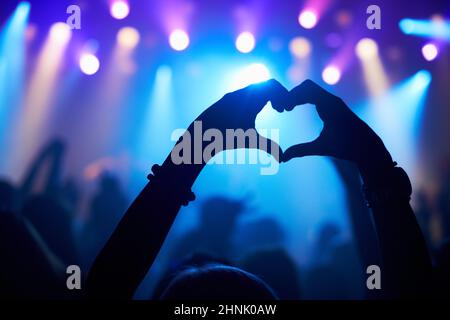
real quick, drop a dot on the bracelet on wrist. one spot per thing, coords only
(394, 187)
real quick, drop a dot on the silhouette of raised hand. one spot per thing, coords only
(344, 135)
(238, 110)
(387, 188)
(138, 238)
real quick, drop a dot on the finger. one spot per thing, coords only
(312, 148)
(269, 146)
(307, 92)
(266, 91)
(277, 94)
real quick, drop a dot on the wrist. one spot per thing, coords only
(390, 186)
(376, 166)
(175, 180)
(182, 174)
(376, 174)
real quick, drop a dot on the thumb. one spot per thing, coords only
(312, 148)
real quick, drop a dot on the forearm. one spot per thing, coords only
(132, 248)
(124, 261)
(29, 179)
(406, 265)
(359, 213)
(136, 241)
(54, 174)
(32, 172)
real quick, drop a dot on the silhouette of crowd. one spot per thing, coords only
(225, 256)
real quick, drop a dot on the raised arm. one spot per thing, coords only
(406, 268)
(135, 243)
(53, 153)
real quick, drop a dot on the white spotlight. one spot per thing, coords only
(179, 40)
(245, 42)
(89, 64)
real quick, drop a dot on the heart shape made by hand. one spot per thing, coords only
(344, 135)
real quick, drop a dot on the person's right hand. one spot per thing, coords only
(238, 111)
(344, 135)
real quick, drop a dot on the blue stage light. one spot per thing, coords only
(436, 29)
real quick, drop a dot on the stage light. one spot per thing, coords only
(60, 33)
(253, 73)
(89, 64)
(374, 74)
(12, 81)
(307, 19)
(245, 42)
(128, 37)
(421, 79)
(344, 18)
(436, 29)
(121, 61)
(366, 48)
(179, 40)
(42, 90)
(300, 47)
(331, 75)
(397, 116)
(437, 17)
(430, 51)
(120, 9)
(406, 25)
(158, 117)
(257, 72)
(22, 11)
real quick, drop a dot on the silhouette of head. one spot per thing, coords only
(108, 203)
(195, 260)
(260, 233)
(277, 268)
(217, 282)
(328, 232)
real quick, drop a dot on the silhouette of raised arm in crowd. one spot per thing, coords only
(406, 267)
(132, 248)
(35, 233)
(135, 243)
(53, 154)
